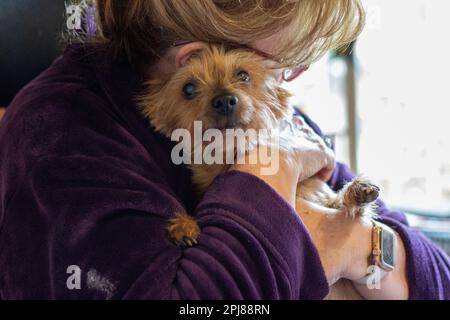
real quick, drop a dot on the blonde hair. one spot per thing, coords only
(139, 29)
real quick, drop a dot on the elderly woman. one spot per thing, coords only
(87, 186)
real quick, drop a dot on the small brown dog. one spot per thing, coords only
(232, 89)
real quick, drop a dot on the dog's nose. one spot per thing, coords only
(225, 104)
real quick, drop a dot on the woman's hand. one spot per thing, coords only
(343, 244)
(315, 157)
(301, 155)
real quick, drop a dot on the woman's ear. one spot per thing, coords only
(186, 52)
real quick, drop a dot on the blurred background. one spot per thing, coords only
(384, 102)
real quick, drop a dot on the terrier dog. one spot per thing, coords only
(231, 89)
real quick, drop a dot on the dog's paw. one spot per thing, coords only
(367, 193)
(183, 230)
(363, 192)
(359, 196)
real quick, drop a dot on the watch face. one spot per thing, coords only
(387, 249)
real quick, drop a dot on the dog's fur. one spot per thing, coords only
(262, 105)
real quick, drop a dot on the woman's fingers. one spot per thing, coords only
(323, 157)
(325, 174)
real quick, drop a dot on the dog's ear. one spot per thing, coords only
(187, 51)
(150, 98)
(283, 96)
(156, 85)
(283, 108)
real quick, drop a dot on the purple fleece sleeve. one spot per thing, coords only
(109, 220)
(428, 267)
(252, 246)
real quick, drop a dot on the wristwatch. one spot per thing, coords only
(382, 257)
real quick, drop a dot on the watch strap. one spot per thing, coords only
(372, 278)
(376, 272)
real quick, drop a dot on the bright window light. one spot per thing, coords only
(403, 60)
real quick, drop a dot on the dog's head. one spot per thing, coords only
(224, 89)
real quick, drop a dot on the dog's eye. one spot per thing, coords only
(189, 91)
(243, 76)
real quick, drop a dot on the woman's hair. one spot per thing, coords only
(139, 29)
